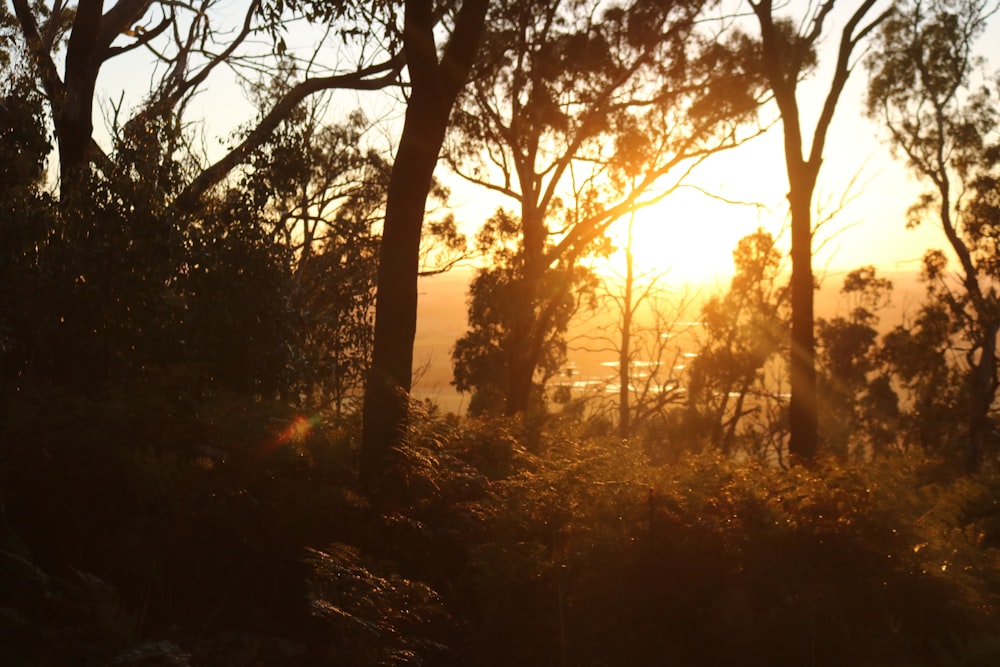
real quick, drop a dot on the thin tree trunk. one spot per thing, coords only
(527, 328)
(625, 347)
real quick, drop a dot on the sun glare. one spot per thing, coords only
(689, 236)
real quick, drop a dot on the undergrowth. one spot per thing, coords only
(139, 531)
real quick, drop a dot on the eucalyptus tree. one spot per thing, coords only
(437, 74)
(26, 205)
(578, 112)
(742, 332)
(644, 322)
(190, 46)
(920, 357)
(859, 407)
(320, 192)
(483, 356)
(942, 120)
(789, 54)
(146, 242)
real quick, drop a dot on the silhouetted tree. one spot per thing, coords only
(648, 338)
(789, 55)
(25, 207)
(578, 112)
(436, 79)
(919, 355)
(190, 45)
(484, 357)
(922, 90)
(858, 406)
(742, 332)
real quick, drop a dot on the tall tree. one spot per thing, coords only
(788, 56)
(577, 112)
(922, 89)
(436, 79)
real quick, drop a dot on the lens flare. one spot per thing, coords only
(298, 430)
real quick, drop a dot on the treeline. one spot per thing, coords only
(208, 453)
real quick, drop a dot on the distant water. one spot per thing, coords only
(442, 320)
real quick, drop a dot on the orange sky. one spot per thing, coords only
(688, 233)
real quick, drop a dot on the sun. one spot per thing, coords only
(688, 236)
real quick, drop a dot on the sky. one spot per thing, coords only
(690, 234)
(693, 235)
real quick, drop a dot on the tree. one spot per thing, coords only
(190, 47)
(858, 404)
(323, 186)
(436, 79)
(484, 357)
(576, 112)
(922, 90)
(25, 207)
(789, 55)
(120, 288)
(647, 337)
(743, 331)
(921, 359)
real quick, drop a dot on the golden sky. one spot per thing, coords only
(688, 233)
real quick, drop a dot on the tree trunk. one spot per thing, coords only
(625, 347)
(983, 375)
(435, 86)
(522, 374)
(389, 381)
(74, 123)
(527, 330)
(802, 420)
(782, 67)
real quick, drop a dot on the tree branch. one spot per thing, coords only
(369, 78)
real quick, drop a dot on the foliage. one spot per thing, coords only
(164, 499)
(223, 528)
(79, 619)
(859, 408)
(577, 111)
(923, 88)
(707, 562)
(729, 379)
(486, 357)
(376, 620)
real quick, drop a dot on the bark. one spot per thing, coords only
(982, 367)
(802, 417)
(435, 86)
(531, 335)
(803, 170)
(72, 98)
(984, 386)
(522, 376)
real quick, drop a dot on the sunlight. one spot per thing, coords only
(689, 236)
